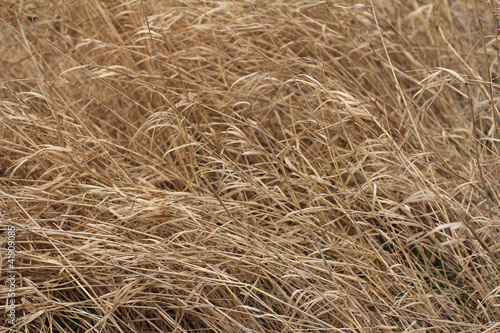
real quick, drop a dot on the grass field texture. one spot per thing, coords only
(250, 166)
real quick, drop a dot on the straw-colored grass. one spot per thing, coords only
(251, 166)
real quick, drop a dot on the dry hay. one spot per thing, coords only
(229, 166)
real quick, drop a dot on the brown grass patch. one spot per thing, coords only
(229, 166)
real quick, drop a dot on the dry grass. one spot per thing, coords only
(229, 166)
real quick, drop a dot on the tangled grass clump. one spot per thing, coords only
(251, 166)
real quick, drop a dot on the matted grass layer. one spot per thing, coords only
(239, 166)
